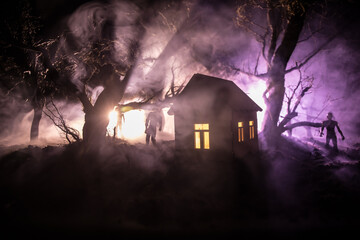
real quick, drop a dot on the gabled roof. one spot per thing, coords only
(221, 89)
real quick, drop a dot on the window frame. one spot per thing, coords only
(241, 135)
(201, 136)
(251, 129)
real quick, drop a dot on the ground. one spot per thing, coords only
(149, 191)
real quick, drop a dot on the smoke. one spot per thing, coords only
(137, 186)
(178, 42)
(334, 89)
(17, 116)
(183, 38)
(97, 33)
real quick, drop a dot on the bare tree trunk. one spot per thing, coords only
(94, 129)
(274, 105)
(34, 132)
(96, 117)
(276, 81)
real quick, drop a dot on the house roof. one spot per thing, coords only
(224, 91)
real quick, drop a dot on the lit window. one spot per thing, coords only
(252, 129)
(204, 141)
(197, 140)
(240, 131)
(204, 126)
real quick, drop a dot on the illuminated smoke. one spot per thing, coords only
(48, 133)
(206, 45)
(133, 126)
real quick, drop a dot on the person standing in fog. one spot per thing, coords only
(330, 131)
(153, 120)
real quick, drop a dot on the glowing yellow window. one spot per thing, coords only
(202, 130)
(240, 131)
(252, 129)
(197, 140)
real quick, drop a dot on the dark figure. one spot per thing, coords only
(330, 131)
(119, 119)
(152, 121)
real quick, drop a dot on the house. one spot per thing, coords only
(213, 115)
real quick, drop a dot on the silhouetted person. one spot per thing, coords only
(153, 120)
(330, 131)
(119, 118)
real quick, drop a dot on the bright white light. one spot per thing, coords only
(112, 123)
(132, 128)
(134, 125)
(255, 92)
(112, 119)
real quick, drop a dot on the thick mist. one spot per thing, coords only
(126, 185)
(210, 43)
(199, 37)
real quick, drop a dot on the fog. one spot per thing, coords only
(334, 70)
(125, 184)
(179, 43)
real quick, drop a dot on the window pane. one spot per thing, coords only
(197, 140)
(252, 132)
(206, 140)
(240, 131)
(251, 123)
(198, 126)
(240, 134)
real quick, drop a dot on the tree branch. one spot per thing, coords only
(274, 25)
(310, 36)
(262, 76)
(293, 93)
(301, 124)
(293, 113)
(311, 55)
(56, 117)
(243, 21)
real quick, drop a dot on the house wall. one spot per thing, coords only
(219, 121)
(248, 146)
(214, 103)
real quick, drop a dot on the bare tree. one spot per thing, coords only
(54, 114)
(104, 71)
(302, 87)
(26, 70)
(279, 36)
